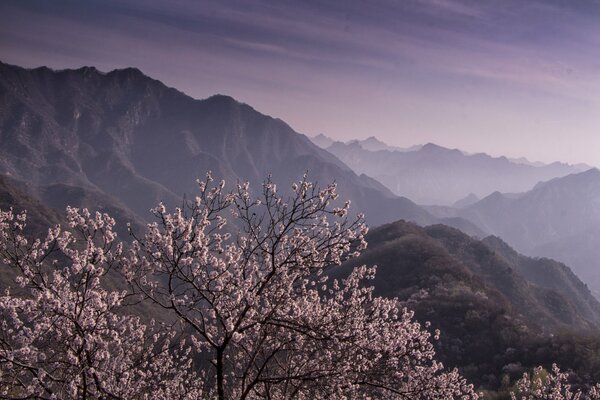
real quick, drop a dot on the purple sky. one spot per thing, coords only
(511, 77)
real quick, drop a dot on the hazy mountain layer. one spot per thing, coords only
(558, 219)
(433, 174)
(371, 143)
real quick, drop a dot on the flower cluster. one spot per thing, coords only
(552, 385)
(66, 336)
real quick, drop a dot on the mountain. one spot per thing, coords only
(321, 140)
(559, 218)
(126, 139)
(525, 161)
(547, 273)
(483, 295)
(371, 143)
(466, 201)
(546, 293)
(13, 194)
(433, 174)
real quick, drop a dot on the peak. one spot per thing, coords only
(372, 139)
(132, 70)
(373, 144)
(470, 199)
(354, 144)
(591, 174)
(87, 68)
(322, 140)
(432, 146)
(129, 71)
(6, 66)
(221, 98)
(87, 71)
(493, 197)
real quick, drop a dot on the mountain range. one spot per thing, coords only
(559, 218)
(435, 175)
(121, 142)
(133, 141)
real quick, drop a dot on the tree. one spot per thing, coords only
(66, 336)
(253, 312)
(551, 385)
(255, 298)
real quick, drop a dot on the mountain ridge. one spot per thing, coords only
(484, 296)
(435, 175)
(558, 219)
(135, 139)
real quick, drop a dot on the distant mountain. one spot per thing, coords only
(321, 140)
(525, 161)
(470, 199)
(371, 143)
(559, 219)
(483, 295)
(433, 174)
(125, 138)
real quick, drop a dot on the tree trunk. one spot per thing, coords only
(220, 388)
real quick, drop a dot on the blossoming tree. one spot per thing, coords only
(243, 281)
(553, 385)
(260, 310)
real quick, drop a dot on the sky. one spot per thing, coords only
(505, 77)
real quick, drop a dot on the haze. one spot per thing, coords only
(510, 78)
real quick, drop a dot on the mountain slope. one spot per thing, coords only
(134, 139)
(558, 219)
(548, 273)
(433, 174)
(13, 194)
(527, 284)
(482, 295)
